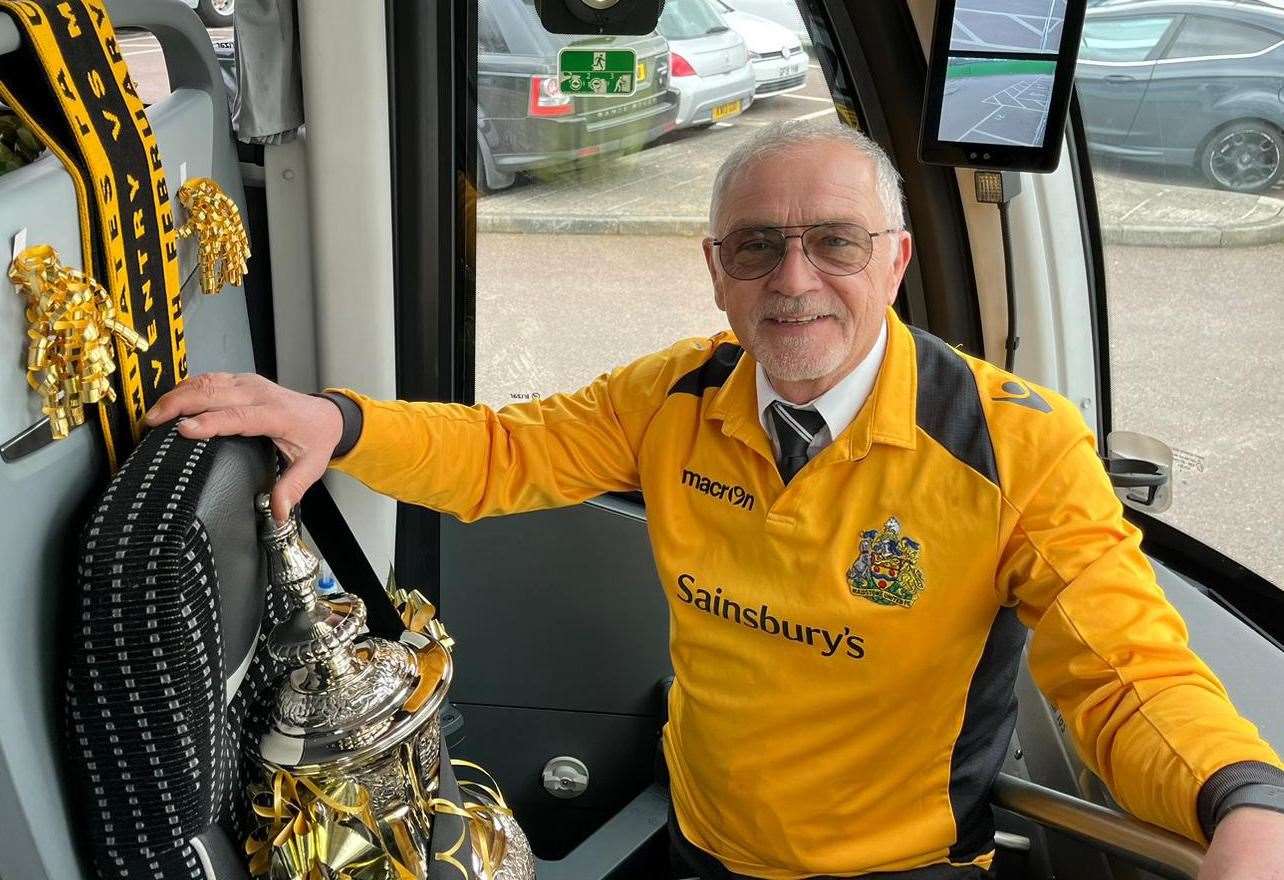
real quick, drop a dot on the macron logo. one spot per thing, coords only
(736, 495)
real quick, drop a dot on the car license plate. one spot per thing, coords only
(641, 71)
(723, 111)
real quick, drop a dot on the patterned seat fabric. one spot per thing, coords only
(166, 668)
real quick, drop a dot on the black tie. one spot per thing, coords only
(795, 429)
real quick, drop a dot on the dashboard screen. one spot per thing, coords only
(1000, 71)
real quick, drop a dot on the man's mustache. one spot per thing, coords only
(791, 307)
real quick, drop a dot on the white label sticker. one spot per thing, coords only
(182, 173)
(19, 241)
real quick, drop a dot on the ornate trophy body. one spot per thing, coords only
(352, 751)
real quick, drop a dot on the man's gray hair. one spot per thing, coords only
(780, 137)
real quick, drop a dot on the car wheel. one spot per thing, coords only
(1245, 156)
(215, 13)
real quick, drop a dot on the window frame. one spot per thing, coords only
(1155, 52)
(1240, 590)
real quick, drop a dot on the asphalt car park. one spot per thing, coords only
(1001, 109)
(1011, 25)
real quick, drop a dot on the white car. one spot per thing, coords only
(778, 59)
(782, 12)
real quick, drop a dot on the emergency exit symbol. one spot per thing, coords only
(605, 72)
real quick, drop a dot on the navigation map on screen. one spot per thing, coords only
(996, 101)
(1027, 26)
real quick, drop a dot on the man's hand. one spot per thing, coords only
(1247, 845)
(306, 429)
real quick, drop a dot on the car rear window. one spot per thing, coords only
(1202, 36)
(686, 19)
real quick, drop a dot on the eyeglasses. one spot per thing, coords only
(833, 248)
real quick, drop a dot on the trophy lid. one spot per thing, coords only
(349, 695)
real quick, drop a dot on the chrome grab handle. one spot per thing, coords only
(8, 35)
(1159, 851)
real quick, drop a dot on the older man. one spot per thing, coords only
(854, 525)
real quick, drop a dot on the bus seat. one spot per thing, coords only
(165, 664)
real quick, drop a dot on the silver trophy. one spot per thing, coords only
(352, 750)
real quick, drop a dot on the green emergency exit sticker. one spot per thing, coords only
(598, 72)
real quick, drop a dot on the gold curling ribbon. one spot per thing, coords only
(215, 220)
(71, 320)
(418, 614)
(479, 823)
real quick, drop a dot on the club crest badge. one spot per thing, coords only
(887, 572)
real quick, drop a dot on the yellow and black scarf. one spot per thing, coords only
(69, 84)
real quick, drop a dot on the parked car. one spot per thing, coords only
(782, 12)
(709, 63)
(1194, 84)
(524, 120)
(776, 53)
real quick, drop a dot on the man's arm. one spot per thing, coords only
(475, 461)
(467, 461)
(1148, 716)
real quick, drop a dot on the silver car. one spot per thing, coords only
(708, 64)
(777, 56)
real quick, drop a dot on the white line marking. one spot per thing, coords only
(1031, 28)
(134, 53)
(824, 112)
(1007, 140)
(807, 98)
(971, 35)
(963, 136)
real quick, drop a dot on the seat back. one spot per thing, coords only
(165, 667)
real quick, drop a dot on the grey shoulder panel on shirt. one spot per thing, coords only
(713, 373)
(948, 407)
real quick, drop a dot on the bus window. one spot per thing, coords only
(592, 209)
(1183, 121)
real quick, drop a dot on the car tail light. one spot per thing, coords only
(679, 66)
(547, 99)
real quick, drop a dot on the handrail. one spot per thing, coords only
(1159, 851)
(9, 39)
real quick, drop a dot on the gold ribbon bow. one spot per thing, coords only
(310, 833)
(215, 220)
(418, 614)
(71, 320)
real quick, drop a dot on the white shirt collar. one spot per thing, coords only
(839, 405)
